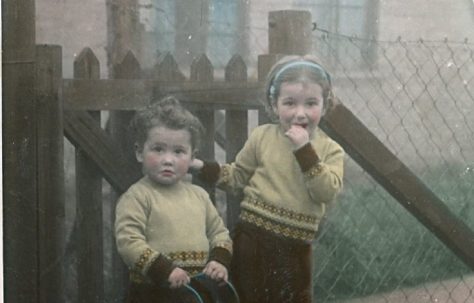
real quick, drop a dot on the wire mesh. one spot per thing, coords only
(417, 98)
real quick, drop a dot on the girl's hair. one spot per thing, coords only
(298, 69)
(169, 113)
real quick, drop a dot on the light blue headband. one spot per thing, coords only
(296, 63)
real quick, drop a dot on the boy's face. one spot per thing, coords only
(166, 154)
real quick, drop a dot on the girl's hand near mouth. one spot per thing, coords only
(298, 135)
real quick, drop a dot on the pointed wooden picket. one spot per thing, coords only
(236, 120)
(129, 68)
(117, 128)
(236, 70)
(119, 121)
(167, 69)
(202, 69)
(88, 221)
(86, 65)
(236, 129)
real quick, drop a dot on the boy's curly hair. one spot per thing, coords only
(167, 112)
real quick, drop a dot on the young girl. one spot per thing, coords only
(289, 172)
(165, 228)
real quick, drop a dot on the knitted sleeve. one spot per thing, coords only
(235, 176)
(322, 170)
(220, 244)
(131, 217)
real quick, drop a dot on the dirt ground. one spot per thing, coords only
(450, 291)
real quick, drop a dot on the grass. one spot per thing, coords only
(371, 244)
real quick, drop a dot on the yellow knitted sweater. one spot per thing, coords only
(177, 222)
(285, 192)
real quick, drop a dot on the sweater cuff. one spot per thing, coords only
(210, 172)
(160, 270)
(221, 255)
(306, 157)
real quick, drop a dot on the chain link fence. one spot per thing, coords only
(418, 99)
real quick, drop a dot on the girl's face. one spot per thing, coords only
(166, 154)
(299, 104)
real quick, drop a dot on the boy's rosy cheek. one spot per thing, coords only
(151, 160)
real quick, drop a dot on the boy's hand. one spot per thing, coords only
(196, 165)
(298, 136)
(216, 271)
(178, 278)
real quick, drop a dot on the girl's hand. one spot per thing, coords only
(196, 165)
(178, 278)
(298, 136)
(216, 271)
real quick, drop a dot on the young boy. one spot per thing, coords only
(167, 229)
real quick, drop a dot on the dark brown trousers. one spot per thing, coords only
(270, 269)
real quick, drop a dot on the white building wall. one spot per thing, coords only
(427, 19)
(73, 24)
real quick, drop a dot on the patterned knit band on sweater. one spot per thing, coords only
(191, 261)
(280, 221)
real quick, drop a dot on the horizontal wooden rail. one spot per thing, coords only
(397, 179)
(126, 94)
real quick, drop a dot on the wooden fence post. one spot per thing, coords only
(19, 152)
(236, 129)
(51, 197)
(90, 265)
(289, 33)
